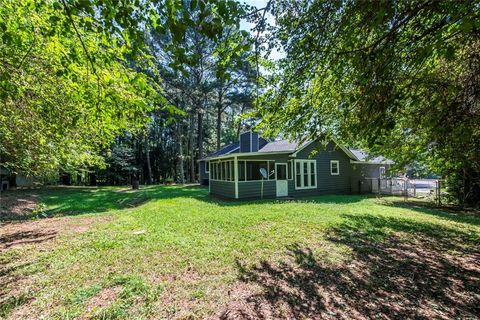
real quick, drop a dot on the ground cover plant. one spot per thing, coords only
(175, 252)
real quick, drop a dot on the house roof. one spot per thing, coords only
(365, 157)
(229, 148)
(282, 146)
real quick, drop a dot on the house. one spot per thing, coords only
(294, 169)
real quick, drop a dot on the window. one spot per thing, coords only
(382, 172)
(207, 166)
(298, 174)
(227, 170)
(305, 174)
(290, 170)
(281, 171)
(334, 167)
(312, 174)
(253, 169)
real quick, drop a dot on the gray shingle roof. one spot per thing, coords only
(280, 146)
(224, 150)
(363, 156)
(292, 146)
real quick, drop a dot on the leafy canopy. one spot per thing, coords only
(396, 77)
(68, 74)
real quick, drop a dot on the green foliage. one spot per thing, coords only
(70, 79)
(396, 77)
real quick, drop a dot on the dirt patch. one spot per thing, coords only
(17, 205)
(105, 298)
(421, 278)
(42, 231)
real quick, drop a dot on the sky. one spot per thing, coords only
(245, 25)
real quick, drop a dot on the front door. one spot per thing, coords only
(281, 177)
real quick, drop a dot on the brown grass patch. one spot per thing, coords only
(105, 298)
(18, 205)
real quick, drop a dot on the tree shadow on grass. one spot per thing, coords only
(70, 201)
(451, 213)
(399, 269)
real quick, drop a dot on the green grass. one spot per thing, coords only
(175, 252)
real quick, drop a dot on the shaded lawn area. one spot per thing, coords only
(174, 252)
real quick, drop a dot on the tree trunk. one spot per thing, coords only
(147, 155)
(192, 149)
(180, 154)
(200, 135)
(219, 118)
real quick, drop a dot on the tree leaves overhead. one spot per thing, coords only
(68, 73)
(389, 75)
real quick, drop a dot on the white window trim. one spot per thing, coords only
(302, 175)
(331, 167)
(292, 169)
(380, 175)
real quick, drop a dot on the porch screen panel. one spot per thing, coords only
(253, 169)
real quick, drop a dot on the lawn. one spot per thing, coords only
(174, 252)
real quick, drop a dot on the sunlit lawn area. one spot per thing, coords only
(174, 252)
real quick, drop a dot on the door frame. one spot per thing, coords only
(284, 181)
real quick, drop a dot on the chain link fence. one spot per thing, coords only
(427, 189)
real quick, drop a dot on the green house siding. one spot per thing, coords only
(363, 175)
(252, 189)
(352, 177)
(326, 183)
(224, 189)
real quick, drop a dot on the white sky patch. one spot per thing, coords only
(245, 25)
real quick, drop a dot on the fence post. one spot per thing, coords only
(414, 190)
(378, 190)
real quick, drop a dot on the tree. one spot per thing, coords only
(395, 77)
(69, 74)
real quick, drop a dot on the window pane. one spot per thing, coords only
(298, 174)
(334, 167)
(241, 170)
(253, 169)
(228, 170)
(289, 170)
(281, 173)
(305, 174)
(312, 174)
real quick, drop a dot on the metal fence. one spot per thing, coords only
(427, 189)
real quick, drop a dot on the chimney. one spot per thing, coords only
(249, 142)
